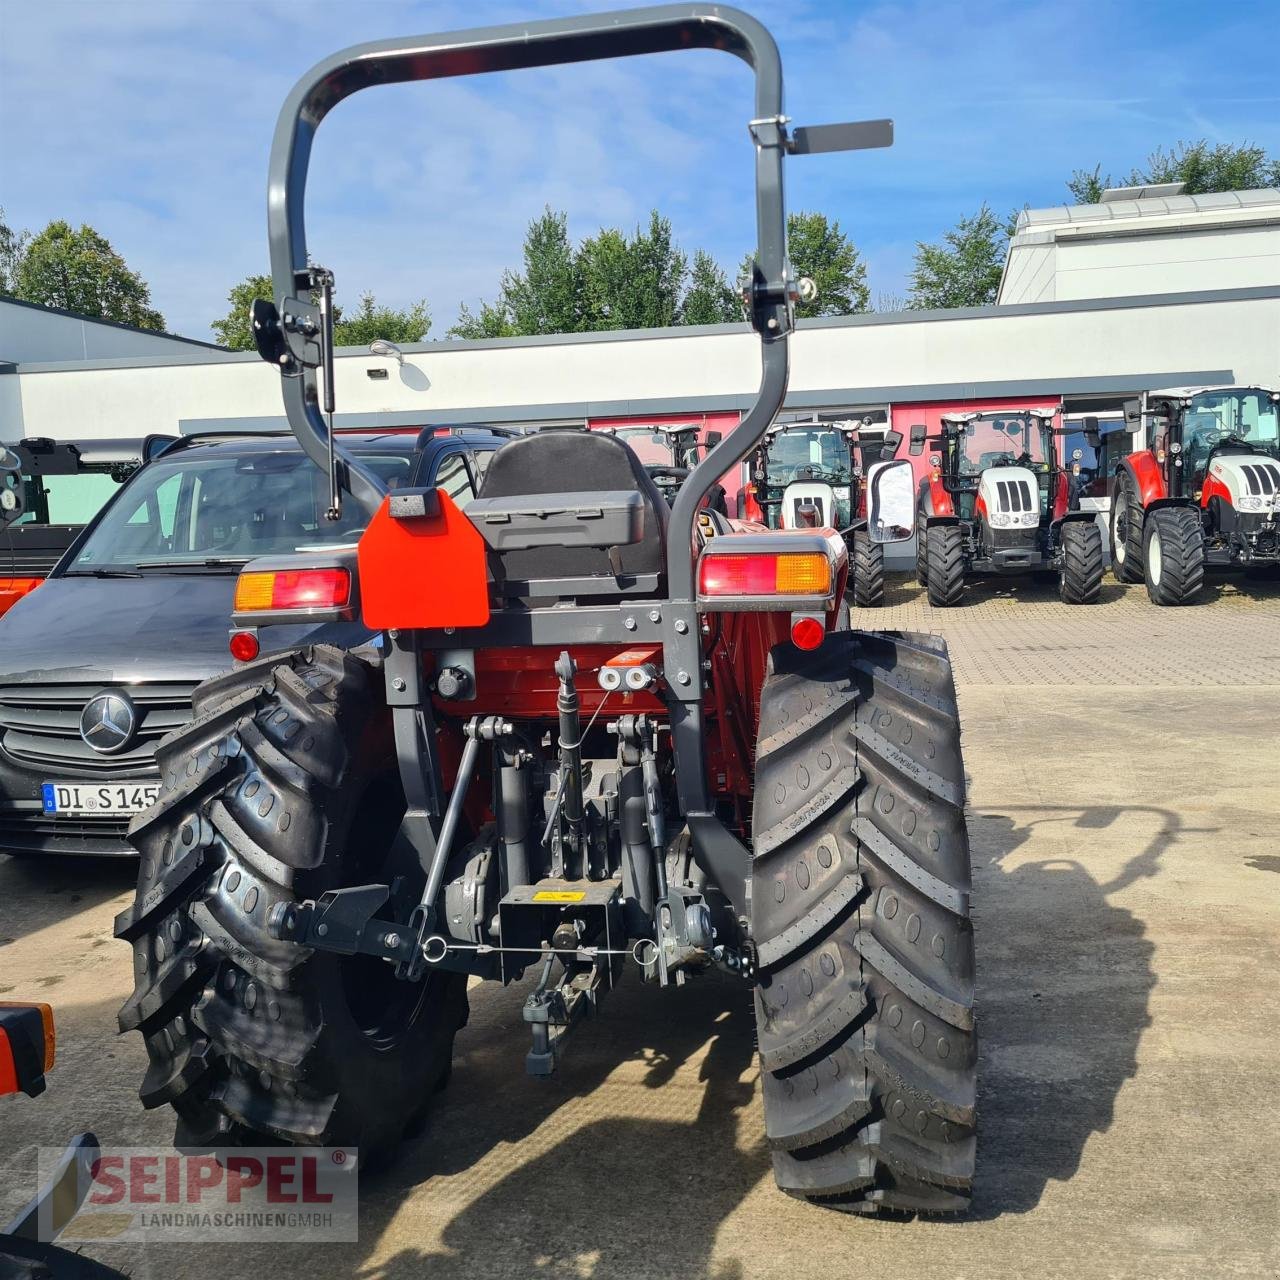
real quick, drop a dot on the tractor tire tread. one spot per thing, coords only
(860, 912)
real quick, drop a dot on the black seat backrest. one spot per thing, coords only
(556, 460)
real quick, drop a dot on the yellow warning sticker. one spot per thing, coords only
(558, 895)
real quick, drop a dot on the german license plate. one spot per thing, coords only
(80, 798)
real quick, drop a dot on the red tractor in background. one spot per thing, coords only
(1204, 492)
(598, 734)
(997, 499)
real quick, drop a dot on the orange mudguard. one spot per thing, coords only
(424, 571)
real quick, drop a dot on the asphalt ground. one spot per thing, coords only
(1127, 902)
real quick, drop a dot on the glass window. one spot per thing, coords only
(1003, 439)
(232, 506)
(452, 476)
(481, 459)
(70, 500)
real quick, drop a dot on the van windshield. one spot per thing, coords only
(226, 508)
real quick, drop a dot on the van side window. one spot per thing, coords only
(453, 477)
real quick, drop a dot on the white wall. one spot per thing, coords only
(1007, 350)
(1125, 266)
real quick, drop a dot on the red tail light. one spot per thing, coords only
(804, 573)
(293, 589)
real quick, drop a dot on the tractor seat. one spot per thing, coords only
(558, 460)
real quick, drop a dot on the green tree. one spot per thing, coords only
(1202, 166)
(543, 298)
(233, 329)
(710, 298)
(964, 270)
(632, 282)
(610, 281)
(13, 245)
(369, 322)
(80, 271)
(819, 250)
(493, 320)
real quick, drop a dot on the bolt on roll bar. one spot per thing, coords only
(297, 334)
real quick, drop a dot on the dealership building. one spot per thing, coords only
(1149, 288)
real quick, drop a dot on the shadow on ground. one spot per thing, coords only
(38, 892)
(1065, 978)
(608, 1185)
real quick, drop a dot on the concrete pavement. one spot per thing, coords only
(1127, 901)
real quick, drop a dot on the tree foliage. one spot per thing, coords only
(710, 299)
(963, 270)
(77, 271)
(13, 245)
(370, 321)
(1203, 166)
(819, 250)
(233, 329)
(611, 280)
(632, 282)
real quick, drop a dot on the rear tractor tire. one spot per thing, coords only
(944, 566)
(282, 787)
(860, 902)
(922, 552)
(1080, 579)
(1126, 531)
(866, 568)
(1174, 555)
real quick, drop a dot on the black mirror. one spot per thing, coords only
(918, 430)
(12, 501)
(891, 443)
(1092, 434)
(1133, 416)
(713, 439)
(268, 337)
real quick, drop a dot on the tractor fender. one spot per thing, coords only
(1148, 477)
(933, 498)
(1215, 488)
(1073, 517)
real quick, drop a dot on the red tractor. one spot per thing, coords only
(598, 736)
(998, 500)
(1204, 492)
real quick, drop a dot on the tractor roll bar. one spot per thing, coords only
(655, 30)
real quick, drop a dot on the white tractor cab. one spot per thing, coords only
(811, 475)
(999, 500)
(1201, 491)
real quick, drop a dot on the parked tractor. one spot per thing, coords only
(1203, 493)
(669, 452)
(997, 500)
(807, 474)
(599, 737)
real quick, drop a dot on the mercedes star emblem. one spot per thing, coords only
(108, 722)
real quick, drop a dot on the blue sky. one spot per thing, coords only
(151, 120)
